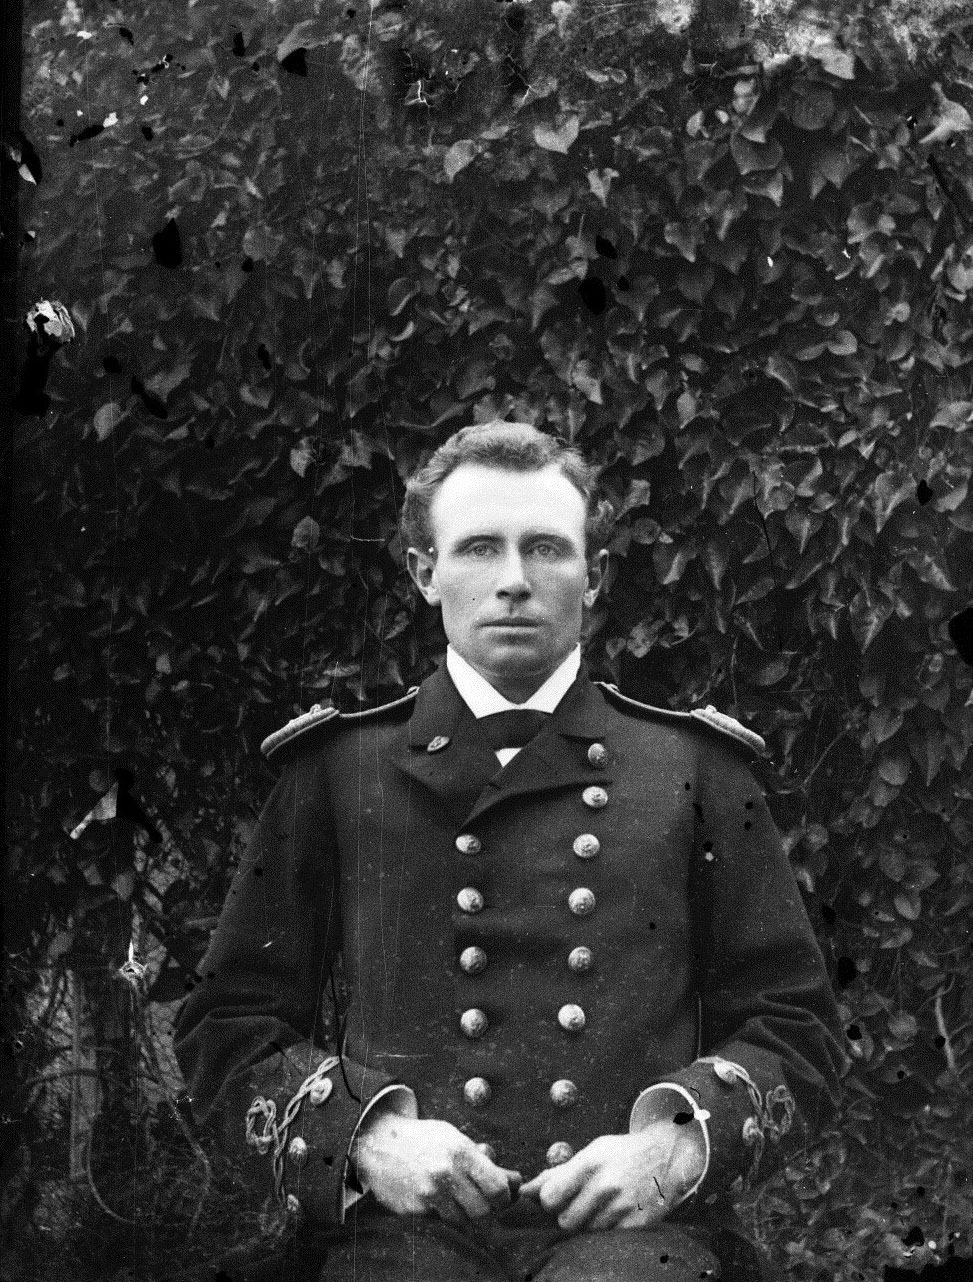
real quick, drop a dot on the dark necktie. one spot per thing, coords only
(511, 729)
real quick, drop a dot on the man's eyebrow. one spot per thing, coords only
(528, 536)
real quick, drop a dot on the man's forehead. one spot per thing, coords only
(485, 499)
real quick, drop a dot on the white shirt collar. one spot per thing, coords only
(483, 700)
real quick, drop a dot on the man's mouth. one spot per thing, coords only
(511, 623)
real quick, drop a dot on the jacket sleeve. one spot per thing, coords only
(771, 1037)
(250, 1034)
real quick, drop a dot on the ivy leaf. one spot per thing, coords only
(600, 181)
(302, 455)
(585, 381)
(890, 490)
(955, 415)
(837, 62)
(106, 419)
(307, 534)
(769, 673)
(831, 166)
(670, 560)
(558, 138)
(60, 944)
(458, 156)
(123, 884)
(884, 722)
(752, 157)
(843, 343)
(309, 34)
(638, 494)
(930, 571)
(399, 293)
(892, 862)
(812, 106)
(262, 243)
(903, 1026)
(867, 621)
(474, 377)
(685, 236)
(894, 770)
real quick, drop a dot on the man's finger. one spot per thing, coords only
(533, 1186)
(457, 1202)
(616, 1215)
(590, 1201)
(490, 1181)
(469, 1199)
(562, 1185)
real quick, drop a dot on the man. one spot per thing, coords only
(585, 996)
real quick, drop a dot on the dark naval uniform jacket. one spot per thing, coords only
(528, 948)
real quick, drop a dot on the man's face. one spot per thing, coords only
(509, 571)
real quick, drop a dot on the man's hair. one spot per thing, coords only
(511, 447)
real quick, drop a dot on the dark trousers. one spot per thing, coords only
(377, 1247)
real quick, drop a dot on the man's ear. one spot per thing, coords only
(422, 571)
(597, 566)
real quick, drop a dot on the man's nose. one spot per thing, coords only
(513, 581)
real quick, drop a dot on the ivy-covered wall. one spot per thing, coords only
(298, 245)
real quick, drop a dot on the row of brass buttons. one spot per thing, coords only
(580, 901)
(473, 960)
(474, 1022)
(585, 846)
(478, 1092)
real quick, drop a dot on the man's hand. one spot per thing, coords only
(414, 1167)
(622, 1181)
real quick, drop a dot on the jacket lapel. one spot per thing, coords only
(458, 769)
(464, 772)
(558, 757)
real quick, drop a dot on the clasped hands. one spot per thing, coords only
(418, 1166)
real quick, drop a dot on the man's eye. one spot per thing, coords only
(479, 550)
(546, 551)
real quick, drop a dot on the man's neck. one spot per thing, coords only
(472, 680)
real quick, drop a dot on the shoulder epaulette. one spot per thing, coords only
(321, 715)
(708, 716)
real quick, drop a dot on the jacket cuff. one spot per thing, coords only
(398, 1099)
(741, 1121)
(665, 1102)
(289, 1120)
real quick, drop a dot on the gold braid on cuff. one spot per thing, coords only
(273, 1137)
(763, 1124)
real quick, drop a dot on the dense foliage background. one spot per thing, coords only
(301, 244)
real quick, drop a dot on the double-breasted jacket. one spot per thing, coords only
(527, 948)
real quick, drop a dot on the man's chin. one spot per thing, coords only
(515, 662)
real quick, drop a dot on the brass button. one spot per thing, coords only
(571, 1018)
(586, 846)
(559, 1153)
(470, 900)
(581, 901)
(580, 959)
(595, 797)
(472, 960)
(467, 844)
(297, 1150)
(293, 1205)
(564, 1094)
(477, 1092)
(473, 1022)
(598, 756)
(436, 745)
